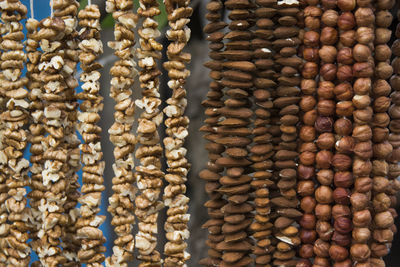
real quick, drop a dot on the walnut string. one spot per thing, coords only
(383, 212)
(50, 36)
(212, 174)
(123, 74)
(15, 118)
(177, 123)
(90, 236)
(67, 10)
(36, 130)
(148, 174)
(308, 104)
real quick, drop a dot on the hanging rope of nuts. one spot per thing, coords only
(148, 175)
(15, 118)
(123, 76)
(87, 225)
(212, 174)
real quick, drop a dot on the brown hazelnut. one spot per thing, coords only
(385, 4)
(363, 116)
(343, 179)
(364, 16)
(324, 124)
(326, 141)
(362, 86)
(381, 104)
(361, 167)
(361, 235)
(380, 168)
(359, 201)
(365, 35)
(380, 135)
(323, 211)
(324, 195)
(346, 21)
(341, 162)
(306, 251)
(344, 108)
(328, 71)
(325, 90)
(361, 101)
(361, 53)
(382, 150)
(383, 235)
(339, 210)
(360, 252)
(329, 36)
(362, 133)
(321, 248)
(348, 38)
(310, 117)
(308, 221)
(381, 202)
(383, 70)
(382, 52)
(345, 145)
(363, 184)
(345, 263)
(320, 261)
(305, 172)
(341, 196)
(326, 107)
(323, 159)
(382, 35)
(311, 55)
(384, 18)
(364, 3)
(325, 177)
(327, 53)
(375, 262)
(343, 225)
(346, 5)
(313, 23)
(363, 70)
(311, 39)
(307, 133)
(343, 126)
(307, 103)
(343, 91)
(324, 230)
(381, 120)
(380, 184)
(343, 240)
(338, 253)
(308, 236)
(362, 218)
(379, 250)
(363, 150)
(307, 204)
(344, 73)
(305, 188)
(330, 17)
(383, 219)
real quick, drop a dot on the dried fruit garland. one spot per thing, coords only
(176, 123)
(123, 76)
(212, 175)
(88, 232)
(148, 175)
(14, 138)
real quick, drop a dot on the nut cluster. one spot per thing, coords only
(91, 239)
(148, 175)
(213, 173)
(123, 76)
(67, 10)
(15, 249)
(308, 133)
(176, 123)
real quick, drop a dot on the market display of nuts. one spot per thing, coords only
(91, 248)
(15, 215)
(121, 203)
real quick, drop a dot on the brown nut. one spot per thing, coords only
(341, 196)
(343, 126)
(360, 252)
(343, 225)
(327, 53)
(346, 5)
(361, 235)
(338, 253)
(346, 21)
(324, 195)
(361, 53)
(326, 141)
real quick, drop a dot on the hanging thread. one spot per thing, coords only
(89, 2)
(51, 8)
(31, 4)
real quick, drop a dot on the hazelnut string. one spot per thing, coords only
(383, 212)
(14, 137)
(284, 199)
(212, 174)
(123, 74)
(87, 225)
(148, 175)
(54, 97)
(67, 10)
(177, 123)
(262, 147)
(323, 126)
(36, 130)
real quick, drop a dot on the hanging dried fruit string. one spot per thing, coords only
(174, 197)
(308, 147)
(286, 41)
(15, 118)
(148, 175)
(262, 149)
(50, 36)
(212, 174)
(88, 233)
(67, 10)
(36, 129)
(383, 213)
(123, 75)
